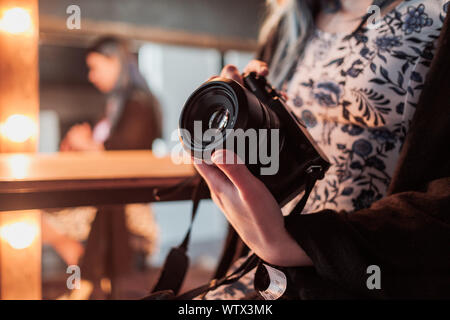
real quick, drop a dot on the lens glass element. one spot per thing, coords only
(219, 119)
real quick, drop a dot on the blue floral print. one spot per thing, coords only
(415, 19)
(386, 42)
(357, 96)
(352, 129)
(327, 94)
(309, 119)
(298, 101)
(362, 147)
(365, 199)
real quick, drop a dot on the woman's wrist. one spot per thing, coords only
(284, 251)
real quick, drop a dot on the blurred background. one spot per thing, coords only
(179, 44)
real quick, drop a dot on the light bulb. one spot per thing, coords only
(19, 235)
(16, 20)
(18, 128)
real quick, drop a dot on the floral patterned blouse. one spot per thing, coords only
(358, 96)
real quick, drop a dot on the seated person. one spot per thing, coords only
(131, 121)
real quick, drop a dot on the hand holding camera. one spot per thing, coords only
(252, 120)
(250, 200)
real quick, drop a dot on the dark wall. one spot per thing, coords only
(233, 18)
(64, 87)
(60, 64)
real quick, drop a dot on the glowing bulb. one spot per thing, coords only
(19, 235)
(19, 164)
(18, 128)
(16, 20)
(159, 148)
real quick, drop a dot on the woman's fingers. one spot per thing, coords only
(234, 168)
(215, 179)
(260, 67)
(212, 78)
(231, 72)
(227, 173)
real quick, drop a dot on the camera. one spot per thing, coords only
(250, 120)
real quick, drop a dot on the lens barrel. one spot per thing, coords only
(219, 105)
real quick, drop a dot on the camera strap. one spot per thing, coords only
(313, 173)
(249, 264)
(177, 261)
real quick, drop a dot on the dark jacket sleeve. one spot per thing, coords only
(138, 126)
(407, 235)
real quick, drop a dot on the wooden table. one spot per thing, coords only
(39, 181)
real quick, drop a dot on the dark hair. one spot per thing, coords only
(109, 46)
(130, 76)
(130, 80)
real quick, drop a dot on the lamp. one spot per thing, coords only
(16, 20)
(19, 83)
(20, 240)
(19, 235)
(18, 128)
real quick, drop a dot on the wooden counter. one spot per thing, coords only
(38, 181)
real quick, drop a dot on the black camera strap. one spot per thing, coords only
(177, 261)
(249, 264)
(313, 173)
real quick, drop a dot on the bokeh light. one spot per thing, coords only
(16, 20)
(18, 128)
(19, 235)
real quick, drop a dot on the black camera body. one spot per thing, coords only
(226, 106)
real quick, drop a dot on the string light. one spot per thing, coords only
(16, 20)
(18, 128)
(19, 235)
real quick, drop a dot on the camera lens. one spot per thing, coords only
(216, 106)
(213, 106)
(219, 119)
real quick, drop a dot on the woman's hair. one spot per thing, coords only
(130, 76)
(291, 24)
(109, 46)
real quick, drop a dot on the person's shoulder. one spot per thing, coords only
(142, 106)
(140, 98)
(138, 95)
